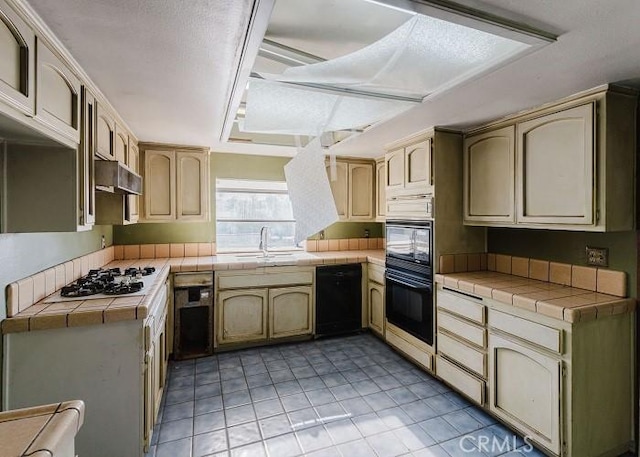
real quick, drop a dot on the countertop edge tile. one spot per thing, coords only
(603, 304)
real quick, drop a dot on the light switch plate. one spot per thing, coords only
(598, 257)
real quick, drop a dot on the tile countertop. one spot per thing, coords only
(76, 313)
(559, 301)
(40, 431)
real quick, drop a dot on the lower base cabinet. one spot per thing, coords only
(242, 315)
(567, 387)
(256, 306)
(525, 389)
(376, 307)
(290, 311)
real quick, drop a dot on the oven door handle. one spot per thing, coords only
(409, 283)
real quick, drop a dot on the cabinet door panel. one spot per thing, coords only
(132, 162)
(489, 176)
(58, 100)
(417, 172)
(159, 192)
(122, 144)
(555, 164)
(339, 188)
(394, 165)
(243, 315)
(525, 390)
(105, 132)
(86, 190)
(381, 194)
(290, 311)
(17, 53)
(192, 188)
(376, 307)
(360, 192)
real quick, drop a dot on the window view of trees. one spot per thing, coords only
(244, 207)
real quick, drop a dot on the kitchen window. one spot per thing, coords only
(243, 207)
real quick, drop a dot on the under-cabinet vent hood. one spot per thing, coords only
(113, 176)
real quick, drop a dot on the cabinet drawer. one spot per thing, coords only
(422, 357)
(461, 306)
(468, 357)
(466, 383)
(541, 335)
(265, 280)
(462, 329)
(376, 273)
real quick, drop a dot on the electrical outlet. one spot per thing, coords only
(322, 234)
(366, 233)
(598, 257)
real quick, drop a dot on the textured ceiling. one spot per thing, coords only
(166, 65)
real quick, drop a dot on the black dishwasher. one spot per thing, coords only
(338, 299)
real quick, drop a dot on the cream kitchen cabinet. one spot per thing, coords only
(17, 62)
(547, 378)
(352, 190)
(269, 303)
(376, 298)
(409, 179)
(409, 170)
(121, 144)
(133, 162)
(176, 184)
(525, 389)
(105, 141)
(489, 177)
(462, 343)
(242, 315)
(86, 185)
(58, 94)
(290, 311)
(573, 167)
(381, 194)
(156, 362)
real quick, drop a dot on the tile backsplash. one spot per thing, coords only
(345, 244)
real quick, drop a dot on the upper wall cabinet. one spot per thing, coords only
(352, 190)
(409, 170)
(58, 89)
(17, 57)
(574, 167)
(489, 176)
(176, 184)
(555, 168)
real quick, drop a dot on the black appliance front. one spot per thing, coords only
(409, 303)
(409, 241)
(338, 299)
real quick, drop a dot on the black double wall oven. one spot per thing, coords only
(409, 277)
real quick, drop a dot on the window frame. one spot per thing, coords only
(252, 190)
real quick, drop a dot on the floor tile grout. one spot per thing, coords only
(364, 358)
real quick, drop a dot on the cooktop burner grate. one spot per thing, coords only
(110, 281)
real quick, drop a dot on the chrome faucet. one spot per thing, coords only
(264, 241)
